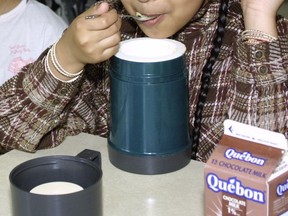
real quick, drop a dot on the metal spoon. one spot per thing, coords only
(138, 18)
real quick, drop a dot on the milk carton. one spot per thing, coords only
(247, 174)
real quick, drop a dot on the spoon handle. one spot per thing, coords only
(138, 18)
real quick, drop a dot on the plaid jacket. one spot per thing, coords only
(249, 85)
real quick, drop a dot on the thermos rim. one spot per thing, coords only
(177, 49)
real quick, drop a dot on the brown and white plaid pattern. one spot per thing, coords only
(249, 85)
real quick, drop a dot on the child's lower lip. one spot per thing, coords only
(153, 21)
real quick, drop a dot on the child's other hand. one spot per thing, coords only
(261, 14)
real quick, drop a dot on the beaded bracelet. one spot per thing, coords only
(58, 67)
(48, 69)
(255, 36)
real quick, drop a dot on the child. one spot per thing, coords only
(237, 57)
(27, 28)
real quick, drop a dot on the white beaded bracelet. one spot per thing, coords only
(58, 67)
(48, 69)
(254, 36)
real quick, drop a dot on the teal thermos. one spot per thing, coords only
(149, 131)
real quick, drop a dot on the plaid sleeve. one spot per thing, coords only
(258, 89)
(38, 111)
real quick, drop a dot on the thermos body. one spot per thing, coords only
(149, 116)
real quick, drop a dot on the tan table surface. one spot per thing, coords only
(180, 193)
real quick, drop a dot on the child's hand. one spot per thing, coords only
(90, 40)
(260, 14)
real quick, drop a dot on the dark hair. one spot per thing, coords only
(206, 76)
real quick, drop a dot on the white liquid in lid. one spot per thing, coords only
(56, 188)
